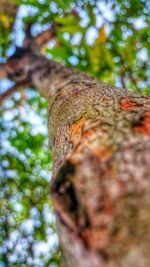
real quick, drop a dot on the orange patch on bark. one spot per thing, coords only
(88, 133)
(128, 104)
(96, 238)
(102, 153)
(76, 129)
(145, 127)
(59, 140)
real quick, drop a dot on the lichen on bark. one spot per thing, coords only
(100, 140)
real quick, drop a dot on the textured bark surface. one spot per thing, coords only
(100, 139)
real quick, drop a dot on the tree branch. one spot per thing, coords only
(6, 68)
(11, 90)
(3, 70)
(38, 41)
(42, 38)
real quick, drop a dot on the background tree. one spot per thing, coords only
(108, 39)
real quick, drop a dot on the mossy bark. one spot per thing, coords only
(100, 139)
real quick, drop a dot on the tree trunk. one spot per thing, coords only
(100, 139)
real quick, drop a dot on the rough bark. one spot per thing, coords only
(100, 139)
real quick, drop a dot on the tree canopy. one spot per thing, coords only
(108, 39)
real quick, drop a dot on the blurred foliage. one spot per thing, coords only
(110, 40)
(27, 224)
